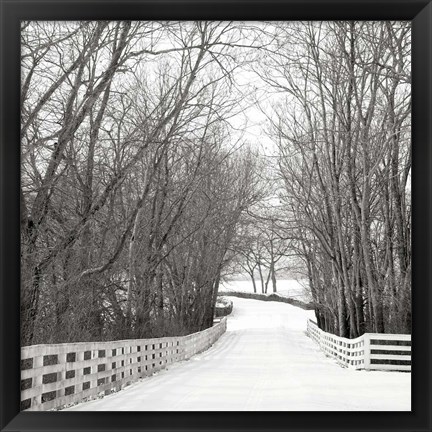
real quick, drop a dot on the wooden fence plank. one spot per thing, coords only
(359, 352)
(96, 364)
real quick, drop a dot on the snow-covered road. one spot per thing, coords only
(264, 361)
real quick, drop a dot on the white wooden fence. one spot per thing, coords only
(371, 351)
(59, 374)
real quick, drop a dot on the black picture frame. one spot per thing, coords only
(417, 11)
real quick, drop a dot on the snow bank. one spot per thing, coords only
(285, 287)
(223, 307)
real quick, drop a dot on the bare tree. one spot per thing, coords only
(344, 84)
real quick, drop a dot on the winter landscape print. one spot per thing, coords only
(216, 216)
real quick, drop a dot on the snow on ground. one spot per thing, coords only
(263, 362)
(285, 287)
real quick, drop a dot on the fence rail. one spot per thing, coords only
(371, 351)
(60, 374)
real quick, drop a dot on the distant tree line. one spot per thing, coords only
(260, 251)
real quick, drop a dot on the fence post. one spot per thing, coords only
(366, 351)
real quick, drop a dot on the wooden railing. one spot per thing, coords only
(371, 351)
(60, 374)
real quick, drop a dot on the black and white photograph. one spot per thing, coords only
(216, 215)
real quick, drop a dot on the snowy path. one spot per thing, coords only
(263, 362)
